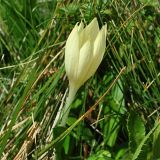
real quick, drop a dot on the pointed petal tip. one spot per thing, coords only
(80, 26)
(94, 19)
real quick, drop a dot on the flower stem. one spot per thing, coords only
(67, 107)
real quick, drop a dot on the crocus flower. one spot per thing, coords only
(84, 51)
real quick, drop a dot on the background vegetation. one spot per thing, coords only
(124, 124)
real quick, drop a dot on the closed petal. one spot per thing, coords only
(84, 61)
(91, 31)
(100, 42)
(72, 53)
(98, 51)
(80, 27)
(81, 34)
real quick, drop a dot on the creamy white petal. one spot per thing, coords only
(72, 53)
(91, 31)
(81, 39)
(81, 34)
(84, 61)
(98, 52)
(100, 42)
(80, 27)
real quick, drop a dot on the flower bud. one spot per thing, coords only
(84, 51)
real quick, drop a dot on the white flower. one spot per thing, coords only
(84, 51)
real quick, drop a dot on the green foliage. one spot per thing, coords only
(33, 84)
(139, 148)
(101, 155)
(156, 143)
(136, 130)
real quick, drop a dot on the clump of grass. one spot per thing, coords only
(33, 85)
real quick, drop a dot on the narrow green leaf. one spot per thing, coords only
(139, 148)
(136, 130)
(156, 143)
